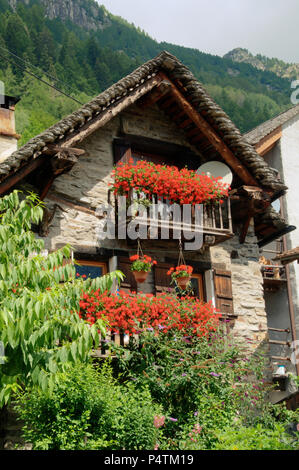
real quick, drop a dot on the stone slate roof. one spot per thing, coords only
(289, 256)
(258, 133)
(194, 92)
(271, 218)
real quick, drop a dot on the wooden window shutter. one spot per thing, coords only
(129, 283)
(162, 280)
(122, 152)
(223, 291)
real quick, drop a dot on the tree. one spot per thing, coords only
(16, 35)
(40, 332)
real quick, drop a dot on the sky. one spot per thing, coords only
(267, 27)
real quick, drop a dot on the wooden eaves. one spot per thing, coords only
(267, 143)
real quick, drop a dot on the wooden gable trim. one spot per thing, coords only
(215, 140)
(61, 159)
(267, 143)
(112, 111)
(24, 171)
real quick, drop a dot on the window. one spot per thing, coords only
(91, 269)
(197, 286)
(149, 157)
(163, 281)
(153, 151)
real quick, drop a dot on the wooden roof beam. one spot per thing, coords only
(268, 142)
(208, 131)
(178, 116)
(16, 177)
(168, 104)
(194, 132)
(155, 95)
(185, 123)
(54, 149)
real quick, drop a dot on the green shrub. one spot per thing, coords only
(257, 438)
(39, 332)
(87, 409)
(209, 383)
(186, 375)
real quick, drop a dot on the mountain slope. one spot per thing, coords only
(279, 67)
(84, 49)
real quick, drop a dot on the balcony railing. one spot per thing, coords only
(274, 276)
(212, 220)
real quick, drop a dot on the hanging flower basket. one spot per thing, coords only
(140, 276)
(183, 282)
(141, 266)
(181, 275)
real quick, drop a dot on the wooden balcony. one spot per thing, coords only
(158, 217)
(274, 276)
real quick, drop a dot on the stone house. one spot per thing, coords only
(8, 136)
(161, 113)
(277, 142)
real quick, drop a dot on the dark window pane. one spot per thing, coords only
(195, 287)
(90, 271)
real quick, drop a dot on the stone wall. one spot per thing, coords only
(247, 285)
(88, 183)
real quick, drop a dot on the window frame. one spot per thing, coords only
(100, 264)
(200, 280)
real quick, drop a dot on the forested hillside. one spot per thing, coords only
(79, 47)
(277, 66)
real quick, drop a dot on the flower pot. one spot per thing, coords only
(140, 276)
(183, 282)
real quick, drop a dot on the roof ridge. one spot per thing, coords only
(292, 111)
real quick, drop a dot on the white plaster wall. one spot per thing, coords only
(8, 145)
(290, 168)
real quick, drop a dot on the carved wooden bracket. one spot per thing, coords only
(257, 201)
(48, 217)
(63, 162)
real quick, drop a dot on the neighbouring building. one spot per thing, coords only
(160, 113)
(8, 136)
(277, 141)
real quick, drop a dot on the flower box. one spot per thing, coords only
(178, 186)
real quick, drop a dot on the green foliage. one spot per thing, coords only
(88, 409)
(257, 438)
(182, 372)
(218, 402)
(39, 329)
(205, 386)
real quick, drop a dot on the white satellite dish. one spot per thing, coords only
(217, 169)
(276, 205)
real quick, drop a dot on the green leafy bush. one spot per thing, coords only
(182, 372)
(39, 294)
(205, 386)
(88, 409)
(257, 438)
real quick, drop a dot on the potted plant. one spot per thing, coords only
(141, 266)
(181, 275)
